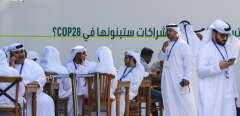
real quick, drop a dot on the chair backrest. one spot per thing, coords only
(146, 82)
(47, 74)
(48, 86)
(105, 85)
(13, 81)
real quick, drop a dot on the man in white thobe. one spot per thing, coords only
(32, 73)
(78, 64)
(132, 71)
(105, 64)
(217, 91)
(200, 33)
(51, 62)
(236, 66)
(5, 70)
(186, 33)
(178, 98)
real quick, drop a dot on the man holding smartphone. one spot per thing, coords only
(217, 88)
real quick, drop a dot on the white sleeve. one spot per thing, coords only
(186, 56)
(161, 55)
(113, 87)
(39, 75)
(204, 69)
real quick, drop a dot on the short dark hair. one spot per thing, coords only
(146, 52)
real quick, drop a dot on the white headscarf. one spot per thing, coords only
(186, 33)
(139, 65)
(220, 26)
(74, 51)
(173, 26)
(4, 49)
(105, 64)
(32, 55)
(51, 62)
(13, 47)
(3, 59)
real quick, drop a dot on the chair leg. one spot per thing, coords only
(17, 112)
(83, 108)
(66, 109)
(89, 109)
(109, 109)
(161, 110)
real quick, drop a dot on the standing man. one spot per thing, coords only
(217, 90)
(178, 99)
(186, 33)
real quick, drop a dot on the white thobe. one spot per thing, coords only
(177, 100)
(216, 92)
(31, 71)
(135, 77)
(81, 88)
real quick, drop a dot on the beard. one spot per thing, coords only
(219, 42)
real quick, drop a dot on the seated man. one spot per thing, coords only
(132, 71)
(5, 70)
(32, 73)
(51, 62)
(105, 65)
(79, 65)
(146, 57)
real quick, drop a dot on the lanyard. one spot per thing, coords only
(123, 76)
(21, 69)
(171, 49)
(226, 72)
(220, 51)
(75, 66)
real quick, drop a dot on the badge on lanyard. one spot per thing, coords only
(226, 72)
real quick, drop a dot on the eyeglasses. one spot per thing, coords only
(223, 35)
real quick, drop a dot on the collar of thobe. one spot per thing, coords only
(220, 50)
(124, 75)
(171, 49)
(75, 65)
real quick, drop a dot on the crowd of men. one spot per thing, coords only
(195, 70)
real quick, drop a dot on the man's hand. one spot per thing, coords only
(12, 61)
(164, 47)
(224, 64)
(186, 82)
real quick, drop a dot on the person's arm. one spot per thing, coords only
(38, 74)
(186, 57)
(204, 68)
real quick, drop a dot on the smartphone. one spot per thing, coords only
(231, 59)
(182, 83)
